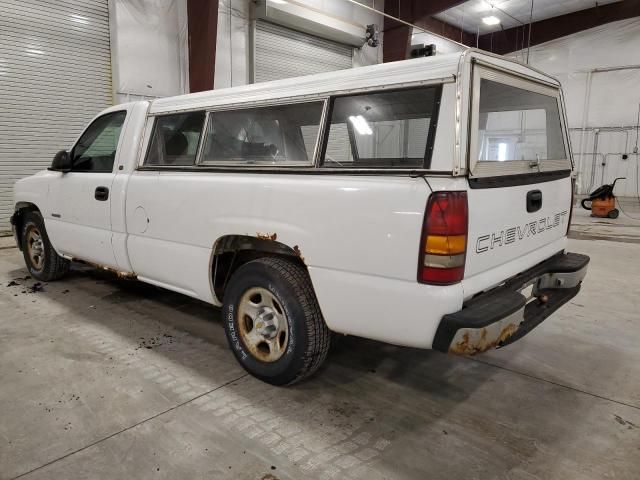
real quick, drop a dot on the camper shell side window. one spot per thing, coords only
(175, 139)
(276, 135)
(388, 129)
(383, 129)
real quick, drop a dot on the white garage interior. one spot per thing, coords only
(280, 52)
(56, 69)
(111, 372)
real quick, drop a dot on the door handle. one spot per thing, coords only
(102, 194)
(534, 201)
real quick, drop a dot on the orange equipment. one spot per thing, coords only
(602, 201)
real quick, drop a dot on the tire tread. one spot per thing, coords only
(55, 266)
(319, 338)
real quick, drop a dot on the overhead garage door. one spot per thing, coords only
(282, 53)
(55, 75)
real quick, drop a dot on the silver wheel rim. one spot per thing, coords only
(263, 325)
(35, 248)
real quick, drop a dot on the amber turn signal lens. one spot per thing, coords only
(446, 244)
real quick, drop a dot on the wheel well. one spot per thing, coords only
(232, 251)
(18, 218)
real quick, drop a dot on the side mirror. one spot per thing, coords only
(61, 162)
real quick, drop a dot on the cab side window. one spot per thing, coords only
(96, 149)
(176, 139)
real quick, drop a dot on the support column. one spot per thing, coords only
(397, 36)
(203, 29)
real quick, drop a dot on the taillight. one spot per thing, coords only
(444, 239)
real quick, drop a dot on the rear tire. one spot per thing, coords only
(42, 261)
(273, 321)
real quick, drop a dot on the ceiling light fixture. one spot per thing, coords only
(361, 125)
(491, 20)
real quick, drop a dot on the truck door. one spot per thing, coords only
(79, 223)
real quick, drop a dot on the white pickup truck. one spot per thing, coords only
(423, 203)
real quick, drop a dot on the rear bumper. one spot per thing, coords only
(503, 315)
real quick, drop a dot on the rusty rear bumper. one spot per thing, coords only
(503, 315)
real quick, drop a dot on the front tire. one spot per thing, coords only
(273, 321)
(42, 261)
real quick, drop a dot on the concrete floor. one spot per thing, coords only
(103, 378)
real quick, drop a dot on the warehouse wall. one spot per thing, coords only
(233, 41)
(610, 107)
(149, 48)
(55, 76)
(442, 44)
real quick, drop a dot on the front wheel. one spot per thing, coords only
(42, 261)
(273, 322)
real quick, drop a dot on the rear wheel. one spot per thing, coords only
(273, 322)
(41, 259)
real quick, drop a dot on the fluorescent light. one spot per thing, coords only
(33, 51)
(279, 2)
(361, 125)
(491, 20)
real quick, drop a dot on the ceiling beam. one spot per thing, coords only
(395, 42)
(513, 39)
(397, 36)
(447, 30)
(423, 9)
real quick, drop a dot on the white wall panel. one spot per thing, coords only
(55, 75)
(611, 104)
(232, 44)
(150, 48)
(233, 49)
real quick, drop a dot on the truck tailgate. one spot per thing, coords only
(508, 224)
